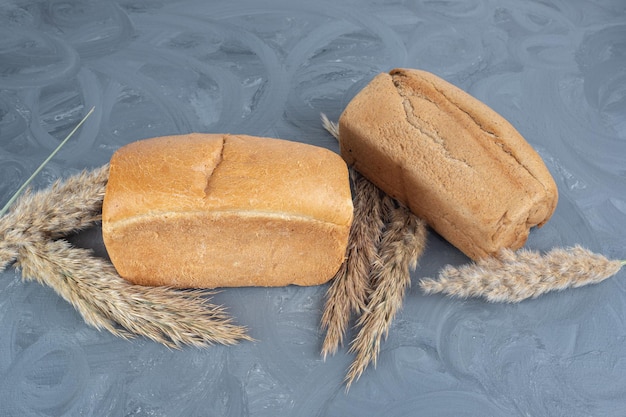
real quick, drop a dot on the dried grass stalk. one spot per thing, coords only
(401, 246)
(36, 217)
(107, 301)
(331, 127)
(349, 289)
(64, 207)
(26, 183)
(515, 276)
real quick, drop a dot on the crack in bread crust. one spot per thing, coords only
(497, 139)
(418, 123)
(453, 160)
(209, 174)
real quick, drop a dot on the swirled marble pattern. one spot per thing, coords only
(555, 68)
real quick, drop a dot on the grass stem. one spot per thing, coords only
(43, 164)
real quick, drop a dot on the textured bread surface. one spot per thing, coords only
(212, 210)
(450, 158)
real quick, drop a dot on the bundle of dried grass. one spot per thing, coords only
(515, 276)
(67, 206)
(401, 246)
(107, 301)
(350, 286)
(386, 241)
(30, 235)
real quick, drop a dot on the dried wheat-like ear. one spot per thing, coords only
(25, 221)
(515, 276)
(104, 299)
(349, 288)
(331, 127)
(402, 244)
(107, 301)
(58, 210)
(386, 241)
(64, 207)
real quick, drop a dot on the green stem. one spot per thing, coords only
(43, 164)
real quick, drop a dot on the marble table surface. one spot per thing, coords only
(556, 69)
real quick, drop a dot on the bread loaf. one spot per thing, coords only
(450, 158)
(209, 210)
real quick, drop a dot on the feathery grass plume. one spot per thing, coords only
(350, 286)
(25, 223)
(107, 301)
(400, 248)
(64, 207)
(331, 127)
(515, 276)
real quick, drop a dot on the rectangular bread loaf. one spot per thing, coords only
(212, 210)
(450, 158)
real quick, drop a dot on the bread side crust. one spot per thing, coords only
(228, 249)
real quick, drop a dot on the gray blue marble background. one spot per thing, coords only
(556, 69)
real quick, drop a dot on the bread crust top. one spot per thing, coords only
(263, 175)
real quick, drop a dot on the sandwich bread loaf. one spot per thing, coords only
(213, 210)
(450, 158)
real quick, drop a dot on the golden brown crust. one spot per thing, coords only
(211, 211)
(450, 158)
